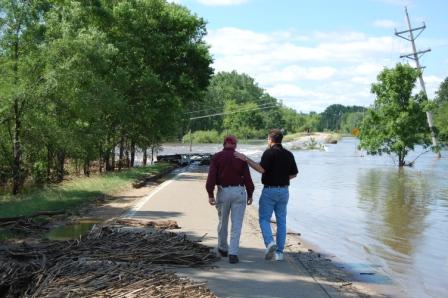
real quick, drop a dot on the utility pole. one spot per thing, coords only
(191, 141)
(415, 55)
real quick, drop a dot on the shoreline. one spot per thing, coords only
(322, 267)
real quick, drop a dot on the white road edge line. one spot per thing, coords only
(145, 200)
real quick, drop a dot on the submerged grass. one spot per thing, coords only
(72, 193)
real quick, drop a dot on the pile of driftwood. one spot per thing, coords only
(28, 225)
(159, 224)
(25, 226)
(111, 261)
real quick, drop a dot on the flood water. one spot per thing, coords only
(72, 231)
(371, 215)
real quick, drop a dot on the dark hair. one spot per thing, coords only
(276, 136)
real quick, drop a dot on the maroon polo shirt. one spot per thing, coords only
(227, 170)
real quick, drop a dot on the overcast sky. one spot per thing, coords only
(312, 54)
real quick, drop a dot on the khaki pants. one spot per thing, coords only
(230, 201)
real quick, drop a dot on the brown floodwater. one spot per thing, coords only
(388, 226)
(377, 219)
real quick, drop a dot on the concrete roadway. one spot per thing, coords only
(184, 199)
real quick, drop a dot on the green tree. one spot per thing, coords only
(232, 92)
(312, 122)
(397, 120)
(21, 35)
(225, 87)
(243, 120)
(442, 93)
(351, 121)
(81, 103)
(441, 121)
(160, 70)
(332, 117)
(441, 111)
(292, 121)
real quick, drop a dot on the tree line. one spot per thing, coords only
(257, 110)
(234, 103)
(79, 79)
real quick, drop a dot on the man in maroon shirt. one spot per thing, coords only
(235, 189)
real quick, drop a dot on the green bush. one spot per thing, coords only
(39, 172)
(441, 122)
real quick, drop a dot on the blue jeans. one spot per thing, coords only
(273, 200)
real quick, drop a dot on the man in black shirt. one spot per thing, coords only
(277, 167)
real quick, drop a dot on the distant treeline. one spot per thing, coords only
(257, 111)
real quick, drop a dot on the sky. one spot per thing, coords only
(311, 54)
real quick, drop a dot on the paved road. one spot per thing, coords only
(184, 199)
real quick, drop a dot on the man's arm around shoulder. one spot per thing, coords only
(256, 166)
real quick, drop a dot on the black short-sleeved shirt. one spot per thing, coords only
(278, 164)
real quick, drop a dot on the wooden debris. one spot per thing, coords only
(26, 217)
(159, 224)
(25, 226)
(109, 262)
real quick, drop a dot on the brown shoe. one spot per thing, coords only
(233, 259)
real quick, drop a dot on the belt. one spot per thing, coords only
(275, 186)
(236, 185)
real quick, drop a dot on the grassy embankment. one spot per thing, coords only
(73, 193)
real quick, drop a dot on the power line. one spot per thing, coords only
(233, 112)
(264, 101)
(219, 110)
(415, 55)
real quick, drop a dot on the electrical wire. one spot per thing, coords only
(233, 112)
(262, 101)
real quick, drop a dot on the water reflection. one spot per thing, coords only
(397, 202)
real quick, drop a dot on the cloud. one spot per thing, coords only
(222, 2)
(432, 83)
(386, 24)
(309, 72)
(294, 73)
(338, 36)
